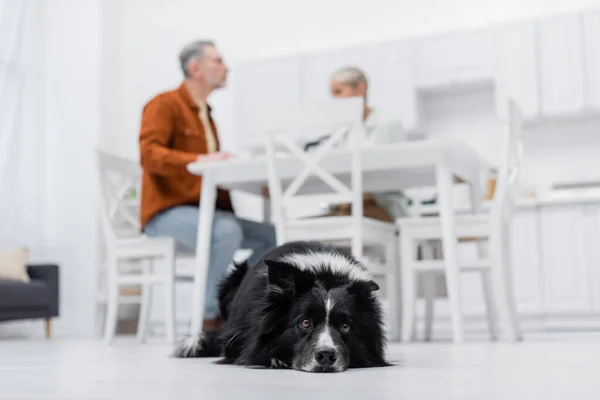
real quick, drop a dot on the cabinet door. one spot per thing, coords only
(457, 58)
(526, 261)
(517, 69)
(592, 234)
(560, 49)
(564, 259)
(260, 85)
(592, 42)
(398, 94)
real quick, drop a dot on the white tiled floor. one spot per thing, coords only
(543, 367)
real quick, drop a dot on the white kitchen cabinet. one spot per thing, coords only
(565, 260)
(259, 85)
(454, 59)
(526, 267)
(516, 74)
(561, 65)
(591, 29)
(592, 237)
(398, 94)
(316, 70)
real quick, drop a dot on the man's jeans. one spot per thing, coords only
(229, 234)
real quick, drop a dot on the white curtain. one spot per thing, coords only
(20, 125)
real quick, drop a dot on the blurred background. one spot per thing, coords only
(75, 74)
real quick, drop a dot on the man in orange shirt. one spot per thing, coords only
(177, 129)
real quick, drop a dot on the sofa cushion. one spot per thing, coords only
(13, 264)
(16, 295)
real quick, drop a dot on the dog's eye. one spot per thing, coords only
(306, 323)
(345, 328)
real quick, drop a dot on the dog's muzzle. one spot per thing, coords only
(327, 361)
(323, 359)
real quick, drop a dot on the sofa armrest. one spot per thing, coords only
(50, 274)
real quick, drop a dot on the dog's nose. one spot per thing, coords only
(326, 357)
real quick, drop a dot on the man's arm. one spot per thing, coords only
(156, 132)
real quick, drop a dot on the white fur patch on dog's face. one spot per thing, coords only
(325, 340)
(336, 263)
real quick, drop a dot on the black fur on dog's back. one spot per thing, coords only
(229, 286)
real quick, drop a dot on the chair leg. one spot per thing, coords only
(503, 289)
(48, 328)
(101, 305)
(517, 334)
(428, 252)
(100, 318)
(409, 292)
(429, 288)
(170, 297)
(391, 259)
(112, 311)
(490, 304)
(449, 244)
(145, 303)
(112, 303)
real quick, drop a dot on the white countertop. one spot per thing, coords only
(527, 202)
(574, 199)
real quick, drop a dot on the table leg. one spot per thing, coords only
(207, 210)
(449, 241)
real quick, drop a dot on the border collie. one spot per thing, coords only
(304, 306)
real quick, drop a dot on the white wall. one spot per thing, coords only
(151, 32)
(20, 134)
(21, 183)
(71, 101)
(62, 96)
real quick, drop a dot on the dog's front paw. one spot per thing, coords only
(278, 364)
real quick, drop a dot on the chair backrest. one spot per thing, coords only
(344, 118)
(118, 177)
(509, 169)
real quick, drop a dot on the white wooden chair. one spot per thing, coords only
(344, 117)
(492, 226)
(131, 258)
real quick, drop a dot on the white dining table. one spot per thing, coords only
(430, 162)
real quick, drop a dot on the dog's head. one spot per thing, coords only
(322, 314)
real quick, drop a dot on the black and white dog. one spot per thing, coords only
(304, 306)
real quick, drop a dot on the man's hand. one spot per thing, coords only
(221, 155)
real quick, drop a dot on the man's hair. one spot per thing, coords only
(192, 51)
(351, 76)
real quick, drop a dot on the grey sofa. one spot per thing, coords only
(36, 299)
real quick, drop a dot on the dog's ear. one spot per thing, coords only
(363, 288)
(286, 281)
